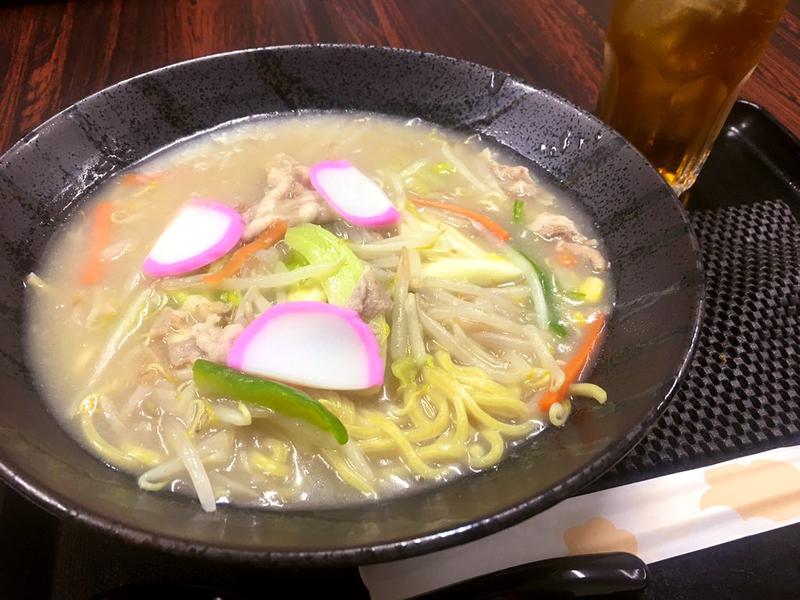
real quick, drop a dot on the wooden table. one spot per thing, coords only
(54, 53)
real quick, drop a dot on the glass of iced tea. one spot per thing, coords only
(673, 69)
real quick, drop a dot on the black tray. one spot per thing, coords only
(754, 159)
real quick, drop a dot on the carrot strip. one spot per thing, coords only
(132, 179)
(268, 238)
(99, 238)
(565, 258)
(490, 225)
(576, 364)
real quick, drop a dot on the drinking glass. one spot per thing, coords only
(673, 69)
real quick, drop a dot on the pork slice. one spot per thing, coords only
(214, 341)
(289, 196)
(370, 299)
(516, 181)
(553, 226)
(196, 330)
(590, 255)
(182, 351)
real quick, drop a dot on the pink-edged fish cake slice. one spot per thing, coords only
(311, 344)
(202, 232)
(353, 195)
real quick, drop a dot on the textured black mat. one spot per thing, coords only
(742, 392)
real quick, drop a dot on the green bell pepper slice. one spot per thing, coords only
(219, 381)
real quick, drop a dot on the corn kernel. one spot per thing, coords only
(592, 289)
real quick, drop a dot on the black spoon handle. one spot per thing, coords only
(567, 577)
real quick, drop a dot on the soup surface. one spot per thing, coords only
(317, 309)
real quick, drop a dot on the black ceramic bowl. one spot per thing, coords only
(651, 334)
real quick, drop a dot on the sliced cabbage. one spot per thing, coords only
(318, 245)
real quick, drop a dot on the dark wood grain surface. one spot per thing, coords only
(54, 53)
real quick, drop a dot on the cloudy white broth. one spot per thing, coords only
(317, 310)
